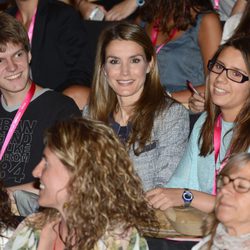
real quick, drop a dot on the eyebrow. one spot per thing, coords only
(129, 57)
(233, 68)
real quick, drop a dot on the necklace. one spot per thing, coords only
(60, 236)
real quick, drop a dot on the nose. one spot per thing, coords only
(125, 69)
(227, 188)
(222, 76)
(11, 65)
(37, 172)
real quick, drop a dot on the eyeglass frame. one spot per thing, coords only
(211, 63)
(220, 176)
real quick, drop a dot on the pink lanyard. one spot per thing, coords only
(155, 33)
(31, 26)
(17, 118)
(216, 4)
(217, 144)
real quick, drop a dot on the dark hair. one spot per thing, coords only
(240, 140)
(12, 31)
(179, 10)
(8, 219)
(153, 100)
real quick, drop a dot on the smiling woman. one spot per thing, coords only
(93, 198)
(222, 130)
(127, 95)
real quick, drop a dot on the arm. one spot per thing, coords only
(209, 37)
(239, 7)
(26, 187)
(121, 11)
(172, 133)
(85, 8)
(163, 198)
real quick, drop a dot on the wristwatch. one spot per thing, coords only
(140, 3)
(187, 197)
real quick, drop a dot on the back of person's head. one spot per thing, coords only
(240, 141)
(7, 219)
(180, 11)
(104, 190)
(12, 31)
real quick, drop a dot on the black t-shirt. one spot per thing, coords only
(25, 149)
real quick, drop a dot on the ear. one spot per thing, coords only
(104, 71)
(29, 57)
(150, 65)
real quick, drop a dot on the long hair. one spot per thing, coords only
(180, 11)
(103, 100)
(105, 193)
(8, 219)
(244, 28)
(240, 140)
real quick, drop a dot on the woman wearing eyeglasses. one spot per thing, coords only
(232, 228)
(222, 130)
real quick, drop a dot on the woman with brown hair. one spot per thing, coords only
(93, 198)
(127, 95)
(221, 131)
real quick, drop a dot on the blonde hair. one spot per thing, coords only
(104, 190)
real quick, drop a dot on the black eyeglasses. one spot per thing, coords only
(232, 74)
(241, 185)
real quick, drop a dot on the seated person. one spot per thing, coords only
(8, 221)
(92, 195)
(232, 229)
(58, 44)
(235, 26)
(26, 109)
(127, 95)
(221, 131)
(186, 34)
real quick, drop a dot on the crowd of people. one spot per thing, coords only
(92, 149)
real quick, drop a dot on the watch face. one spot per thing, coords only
(187, 196)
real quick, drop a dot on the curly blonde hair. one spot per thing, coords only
(104, 190)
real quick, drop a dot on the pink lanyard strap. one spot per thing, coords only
(31, 26)
(217, 145)
(216, 4)
(17, 118)
(155, 33)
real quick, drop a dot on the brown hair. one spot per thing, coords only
(178, 10)
(12, 31)
(240, 140)
(105, 193)
(8, 219)
(153, 100)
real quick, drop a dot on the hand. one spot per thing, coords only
(121, 11)
(164, 198)
(86, 8)
(196, 103)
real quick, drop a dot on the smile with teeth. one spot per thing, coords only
(13, 77)
(41, 186)
(125, 82)
(219, 90)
